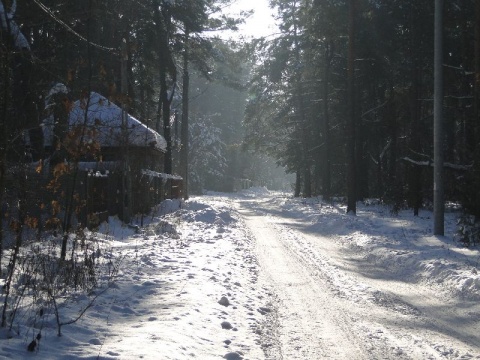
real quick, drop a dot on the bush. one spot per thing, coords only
(468, 230)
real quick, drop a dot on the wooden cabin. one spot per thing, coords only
(122, 175)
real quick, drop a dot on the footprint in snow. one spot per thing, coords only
(264, 310)
(125, 310)
(224, 301)
(95, 341)
(113, 353)
(233, 356)
(226, 325)
(148, 283)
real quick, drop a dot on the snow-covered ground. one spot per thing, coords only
(371, 286)
(260, 275)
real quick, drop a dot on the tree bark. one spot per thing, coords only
(438, 190)
(298, 183)
(326, 180)
(185, 114)
(4, 96)
(476, 115)
(166, 66)
(415, 172)
(300, 104)
(351, 136)
(166, 121)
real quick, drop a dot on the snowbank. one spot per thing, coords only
(186, 287)
(402, 244)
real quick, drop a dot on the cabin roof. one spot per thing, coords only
(106, 118)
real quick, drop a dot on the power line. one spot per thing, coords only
(69, 29)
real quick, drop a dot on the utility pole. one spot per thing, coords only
(438, 151)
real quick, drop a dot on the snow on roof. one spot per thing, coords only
(164, 176)
(58, 88)
(106, 118)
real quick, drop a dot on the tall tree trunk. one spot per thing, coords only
(351, 137)
(465, 143)
(18, 226)
(185, 114)
(476, 115)
(326, 180)
(415, 172)
(126, 196)
(166, 66)
(166, 120)
(4, 98)
(300, 104)
(307, 175)
(438, 191)
(298, 183)
(393, 192)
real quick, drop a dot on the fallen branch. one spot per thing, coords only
(430, 163)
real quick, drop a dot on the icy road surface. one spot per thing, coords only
(335, 301)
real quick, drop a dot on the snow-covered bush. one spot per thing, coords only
(42, 284)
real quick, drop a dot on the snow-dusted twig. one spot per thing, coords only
(79, 316)
(430, 163)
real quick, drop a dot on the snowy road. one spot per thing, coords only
(312, 325)
(335, 304)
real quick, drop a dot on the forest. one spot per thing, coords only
(373, 62)
(118, 101)
(341, 96)
(296, 84)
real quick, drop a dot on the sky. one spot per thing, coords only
(261, 23)
(230, 275)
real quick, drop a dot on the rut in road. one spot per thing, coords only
(313, 325)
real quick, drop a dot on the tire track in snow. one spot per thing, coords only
(367, 322)
(312, 323)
